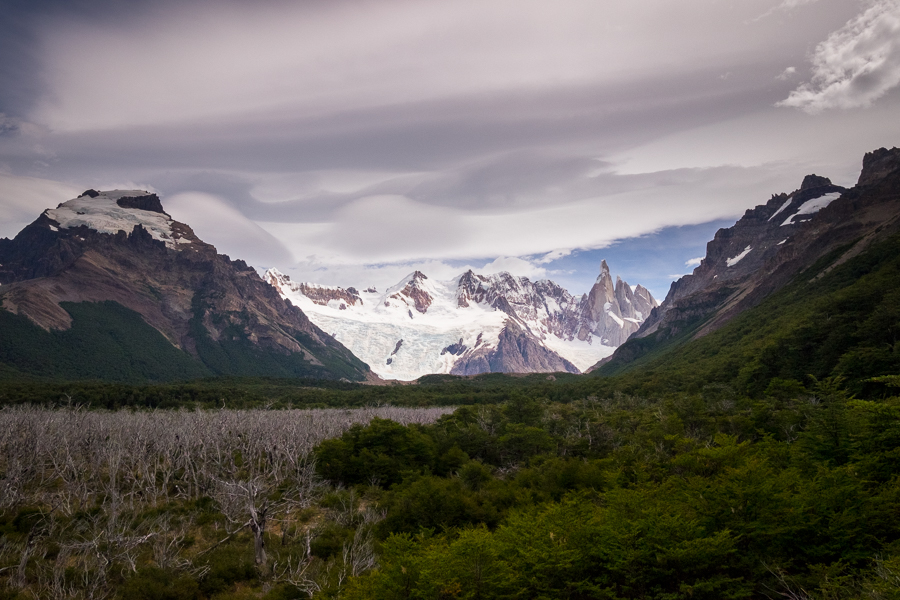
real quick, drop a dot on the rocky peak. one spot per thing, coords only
(109, 212)
(814, 181)
(878, 164)
(644, 300)
(148, 202)
(478, 323)
(612, 312)
(322, 295)
(604, 270)
(415, 291)
(467, 288)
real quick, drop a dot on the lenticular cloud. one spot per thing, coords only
(856, 65)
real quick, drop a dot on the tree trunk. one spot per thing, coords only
(259, 543)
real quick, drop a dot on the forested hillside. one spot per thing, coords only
(832, 320)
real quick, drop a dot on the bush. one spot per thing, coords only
(152, 583)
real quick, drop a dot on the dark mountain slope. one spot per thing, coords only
(137, 269)
(844, 323)
(785, 238)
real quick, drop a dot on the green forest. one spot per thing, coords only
(760, 461)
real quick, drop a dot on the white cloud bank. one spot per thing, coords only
(513, 264)
(24, 198)
(856, 65)
(220, 224)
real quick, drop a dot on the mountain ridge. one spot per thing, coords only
(767, 248)
(474, 323)
(120, 246)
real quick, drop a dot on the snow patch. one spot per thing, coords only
(783, 206)
(733, 261)
(102, 214)
(813, 206)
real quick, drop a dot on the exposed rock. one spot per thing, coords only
(455, 349)
(739, 252)
(149, 202)
(814, 181)
(322, 295)
(413, 290)
(878, 164)
(612, 313)
(515, 353)
(180, 285)
(771, 244)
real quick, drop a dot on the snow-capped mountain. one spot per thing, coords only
(115, 263)
(474, 323)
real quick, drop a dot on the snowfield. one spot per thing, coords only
(102, 214)
(399, 342)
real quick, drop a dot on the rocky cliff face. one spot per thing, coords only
(610, 312)
(121, 246)
(476, 323)
(774, 242)
(516, 351)
(323, 295)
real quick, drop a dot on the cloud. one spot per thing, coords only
(25, 198)
(377, 229)
(516, 266)
(581, 212)
(786, 5)
(310, 59)
(379, 276)
(856, 65)
(220, 224)
(8, 125)
(694, 262)
(553, 256)
(787, 74)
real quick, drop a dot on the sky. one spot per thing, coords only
(350, 142)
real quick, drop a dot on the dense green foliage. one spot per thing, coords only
(246, 392)
(106, 341)
(109, 342)
(698, 497)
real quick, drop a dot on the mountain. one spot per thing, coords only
(109, 286)
(474, 323)
(785, 257)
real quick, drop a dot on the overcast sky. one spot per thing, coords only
(350, 142)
